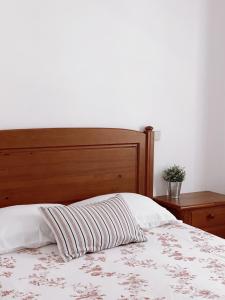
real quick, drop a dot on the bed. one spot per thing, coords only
(67, 165)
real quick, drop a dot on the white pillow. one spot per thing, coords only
(147, 212)
(23, 226)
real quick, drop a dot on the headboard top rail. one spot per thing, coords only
(49, 137)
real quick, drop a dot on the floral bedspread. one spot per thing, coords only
(177, 262)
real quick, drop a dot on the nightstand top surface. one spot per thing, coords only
(192, 200)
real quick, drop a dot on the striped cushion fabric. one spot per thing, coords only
(91, 228)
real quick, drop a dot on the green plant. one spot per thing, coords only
(174, 174)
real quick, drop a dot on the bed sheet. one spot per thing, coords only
(177, 262)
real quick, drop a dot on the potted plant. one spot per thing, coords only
(174, 176)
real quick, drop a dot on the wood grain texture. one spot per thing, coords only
(64, 165)
(149, 160)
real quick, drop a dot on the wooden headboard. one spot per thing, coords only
(64, 165)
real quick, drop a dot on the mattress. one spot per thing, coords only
(177, 262)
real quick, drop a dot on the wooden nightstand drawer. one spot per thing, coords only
(208, 217)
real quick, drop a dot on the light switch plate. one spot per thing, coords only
(157, 135)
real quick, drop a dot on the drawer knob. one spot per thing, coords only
(210, 216)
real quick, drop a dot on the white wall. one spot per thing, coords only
(121, 63)
(215, 95)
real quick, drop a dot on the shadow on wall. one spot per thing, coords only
(215, 97)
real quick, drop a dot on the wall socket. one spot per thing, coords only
(157, 135)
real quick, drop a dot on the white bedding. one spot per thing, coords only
(177, 262)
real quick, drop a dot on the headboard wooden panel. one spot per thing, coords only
(65, 165)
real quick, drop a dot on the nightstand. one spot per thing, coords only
(205, 210)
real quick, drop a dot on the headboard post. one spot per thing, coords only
(149, 160)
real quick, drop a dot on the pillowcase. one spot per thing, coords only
(23, 226)
(90, 228)
(148, 213)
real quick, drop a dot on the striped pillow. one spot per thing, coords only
(83, 229)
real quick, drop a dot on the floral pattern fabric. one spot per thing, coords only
(177, 262)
